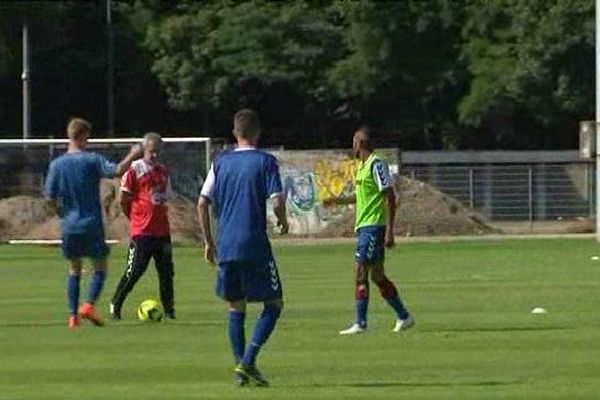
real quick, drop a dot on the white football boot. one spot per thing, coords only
(355, 329)
(404, 324)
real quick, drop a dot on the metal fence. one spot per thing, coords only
(506, 187)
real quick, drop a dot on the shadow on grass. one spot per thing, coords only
(505, 329)
(109, 324)
(415, 384)
(32, 324)
(432, 384)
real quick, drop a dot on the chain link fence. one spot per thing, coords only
(510, 186)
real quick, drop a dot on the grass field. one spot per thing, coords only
(475, 337)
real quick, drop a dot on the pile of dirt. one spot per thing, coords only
(425, 211)
(19, 214)
(422, 211)
(25, 217)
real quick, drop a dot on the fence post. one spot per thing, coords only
(412, 174)
(471, 189)
(488, 191)
(530, 201)
(590, 188)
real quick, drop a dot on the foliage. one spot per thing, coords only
(529, 57)
(434, 74)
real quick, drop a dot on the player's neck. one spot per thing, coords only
(245, 143)
(364, 155)
(73, 148)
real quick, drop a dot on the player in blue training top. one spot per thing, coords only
(73, 186)
(238, 186)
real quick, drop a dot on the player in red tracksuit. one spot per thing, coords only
(145, 190)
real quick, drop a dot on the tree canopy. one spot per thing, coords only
(494, 74)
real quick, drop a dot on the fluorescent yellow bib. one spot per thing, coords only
(370, 204)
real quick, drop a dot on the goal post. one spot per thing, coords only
(24, 165)
(186, 156)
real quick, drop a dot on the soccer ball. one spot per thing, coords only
(150, 310)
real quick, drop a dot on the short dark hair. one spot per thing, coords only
(246, 124)
(367, 132)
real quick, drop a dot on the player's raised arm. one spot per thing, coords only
(135, 152)
(339, 201)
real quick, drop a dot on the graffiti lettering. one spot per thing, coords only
(335, 178)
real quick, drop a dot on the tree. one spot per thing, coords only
(532, 67)
(402, 68)
(315, 69)
(221, 56)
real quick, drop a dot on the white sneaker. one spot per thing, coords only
(404, 324)
(353, 330)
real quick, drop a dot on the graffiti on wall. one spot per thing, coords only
(335, 178)
(311, 177)
(307, 188)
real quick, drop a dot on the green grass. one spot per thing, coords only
(475, 337)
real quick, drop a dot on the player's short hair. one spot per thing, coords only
(78, 127)
(152, 137)
(246, 124)
(367, 133)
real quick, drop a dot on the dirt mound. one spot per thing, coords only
(425, 211)
(25, 217)
(20, 213)
(422, 211)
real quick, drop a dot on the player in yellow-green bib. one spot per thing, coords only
(375, 212)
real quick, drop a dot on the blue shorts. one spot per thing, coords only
(370, 247)
(79, 245)
(248, 280)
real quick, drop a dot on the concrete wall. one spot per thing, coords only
(309, 178)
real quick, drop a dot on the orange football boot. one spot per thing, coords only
(73, 322)
(88, 311)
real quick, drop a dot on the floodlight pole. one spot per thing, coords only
(25, 77)
(597, 120)
(110, 76)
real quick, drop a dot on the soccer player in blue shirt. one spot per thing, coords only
(238, 186)
(73, 187)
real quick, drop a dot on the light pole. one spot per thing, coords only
(110, 97)
(25, 77)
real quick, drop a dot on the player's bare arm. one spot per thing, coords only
(135, 153)
(280, 212)
(390, 199)
(126, 200)
(339, 201)
(204, 218)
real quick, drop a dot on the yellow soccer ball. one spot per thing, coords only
(150, 310)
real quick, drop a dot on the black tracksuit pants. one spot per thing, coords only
(141, 250)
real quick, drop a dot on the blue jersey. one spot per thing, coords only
(239, 185)
(74, 181)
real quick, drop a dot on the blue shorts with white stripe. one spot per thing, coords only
(370, 247)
